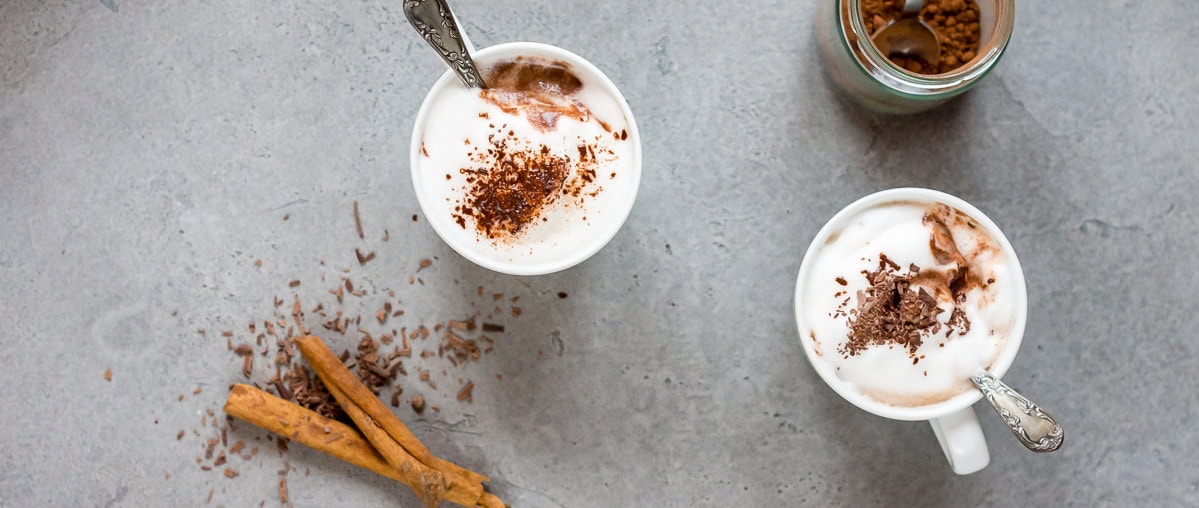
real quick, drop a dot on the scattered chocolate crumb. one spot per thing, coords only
(562, 294)
(386, 235)
(842, 281)
(108, 374)
(283, 491)
(358, 221)
(436, 409)
(230, 472)
(492, 327)
(414, 218)
(395, 398)
(293, 283)
(237, 447)
(258, 263)
(465, 393)
(179, 436)
(210, 493)
(196, 391)
(418, 403)
(363, 259)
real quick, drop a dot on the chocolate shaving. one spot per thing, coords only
(891, 311)
(358, 221)
(465, 393)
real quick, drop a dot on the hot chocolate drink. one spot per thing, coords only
(907, 300)
(534, 168)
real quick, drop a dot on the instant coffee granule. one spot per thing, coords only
(956, 23)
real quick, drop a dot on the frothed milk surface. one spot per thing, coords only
(940, 366)
(465, 127)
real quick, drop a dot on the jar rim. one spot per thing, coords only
(922, 86)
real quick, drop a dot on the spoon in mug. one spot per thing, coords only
(434, 22)
(1035, 428)
(908, 36)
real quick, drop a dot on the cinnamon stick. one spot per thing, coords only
(460, 482)
(295, 422)
(329, 436)
(488, 500)
(429, 484)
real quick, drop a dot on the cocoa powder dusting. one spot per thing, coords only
(513, 183)
(510, 194)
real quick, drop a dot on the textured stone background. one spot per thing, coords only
(149, 153)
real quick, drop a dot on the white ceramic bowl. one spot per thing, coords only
(601, 225)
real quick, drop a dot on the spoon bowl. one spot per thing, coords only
(908, 36)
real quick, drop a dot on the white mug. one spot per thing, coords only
(953, 420)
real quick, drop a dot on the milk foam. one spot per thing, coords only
(887, 373)
(454, 127)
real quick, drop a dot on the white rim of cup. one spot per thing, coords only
(469, 250)
(1011, 344)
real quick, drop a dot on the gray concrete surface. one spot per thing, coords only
(149, 153)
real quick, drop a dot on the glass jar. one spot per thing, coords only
(868, 76)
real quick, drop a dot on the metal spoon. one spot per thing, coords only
(1035, 428)
(908, 35)
(434, 22)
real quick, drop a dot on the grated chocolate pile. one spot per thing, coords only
(891, 311)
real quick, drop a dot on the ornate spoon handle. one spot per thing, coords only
(434, 22)
(1039, 431)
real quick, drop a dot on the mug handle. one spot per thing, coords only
(962, 440)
